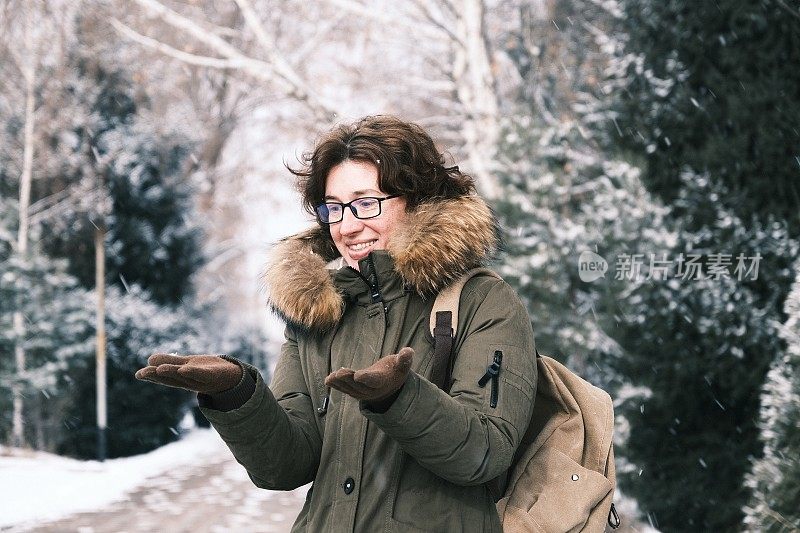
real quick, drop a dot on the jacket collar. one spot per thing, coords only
(378, 268)
(440, 242)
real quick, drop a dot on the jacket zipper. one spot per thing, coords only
(323, 410)
(493, 373)
(371, 279)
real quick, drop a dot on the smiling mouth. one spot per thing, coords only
(360, 247)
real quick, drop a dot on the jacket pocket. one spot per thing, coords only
(555, 493)
(508, 392)
(426, 502)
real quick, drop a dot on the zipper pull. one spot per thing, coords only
(493, 373)
(493, 369)
(321, 411)
(372, 281)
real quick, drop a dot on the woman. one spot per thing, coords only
(386, 449)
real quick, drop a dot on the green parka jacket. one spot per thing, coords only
(431, 461)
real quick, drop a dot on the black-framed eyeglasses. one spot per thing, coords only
(366, 207)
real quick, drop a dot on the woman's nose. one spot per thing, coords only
(350, 224)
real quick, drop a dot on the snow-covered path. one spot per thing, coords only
(214, 497)
(193, 485)
(211, 494)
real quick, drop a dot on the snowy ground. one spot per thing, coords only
(190, 485)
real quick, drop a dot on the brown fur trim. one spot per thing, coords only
(300, 288)
(441, 240)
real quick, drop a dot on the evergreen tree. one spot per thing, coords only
(684, 358)
(775, 478)
(141, 416)
(59, 329)
(714, 87)
(563, 195)
(132, 179)
(564, 200)
(141, 200)
(707, 108)
(697, 346)
(101, 164)
(567, 194)
(104, 159)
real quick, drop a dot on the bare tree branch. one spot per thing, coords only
(446, 104)
(282, 68)
(431, 18)
(445, 122)
(311, 43)
(78, 190)
(475, 89)
(186, 57)
(364, 12)
(190, 27)
(67, 204)
(17, 61)
(449, 7)
(260, 69)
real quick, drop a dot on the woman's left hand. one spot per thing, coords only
(376, 382)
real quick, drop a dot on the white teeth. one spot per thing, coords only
(361, 246)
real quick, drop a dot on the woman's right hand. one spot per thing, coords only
(209, 374)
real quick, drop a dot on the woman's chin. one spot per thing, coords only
(353, 257)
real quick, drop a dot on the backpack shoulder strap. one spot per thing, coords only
(443, 323)
(448, 298)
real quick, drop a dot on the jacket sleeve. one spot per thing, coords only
(274, 434)
(460, 436)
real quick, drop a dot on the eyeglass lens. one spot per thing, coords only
(330, 213)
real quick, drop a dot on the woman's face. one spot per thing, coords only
(356, 238)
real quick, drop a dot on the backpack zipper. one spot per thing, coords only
(493, 373)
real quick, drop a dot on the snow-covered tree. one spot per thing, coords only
(698, 345)
(141, 416)
(562, 194)
(712, 86)
(34, 38)
(58, 331)
(775, 478)
(568, 196)
(144, 206)
(22, 45)
(648, 338)
(103, 160)
(702, 102)
(563, 201)
(450, 83)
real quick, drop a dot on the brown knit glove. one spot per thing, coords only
(208, 374)
(376, 382)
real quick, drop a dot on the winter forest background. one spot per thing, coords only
(150, 137)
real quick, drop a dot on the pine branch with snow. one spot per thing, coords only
(775, 477)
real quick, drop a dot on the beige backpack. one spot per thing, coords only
(562, 478)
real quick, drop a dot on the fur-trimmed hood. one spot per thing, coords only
(441, 240)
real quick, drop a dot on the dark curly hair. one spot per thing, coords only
(406, 157)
